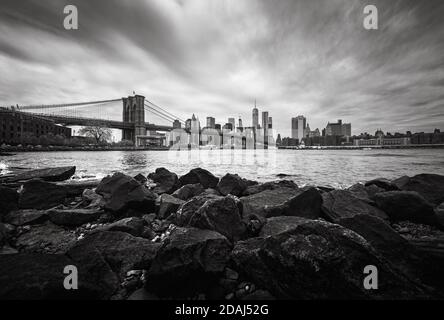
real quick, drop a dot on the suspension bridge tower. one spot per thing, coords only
(134, 114)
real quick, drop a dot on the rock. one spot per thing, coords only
(3, 235)
(73, 217)
(8, 200)
(188, 191)
(383, 184)
(430, 186)
(340, 204)
(318, 260)
(130, 195)
(122, 251)
(189, 262)
(93, 199)
(26, 217)
(76, 188)
(39, 194)
(231, 184)
(142, 294)
(141, 178)
(221, 215)
(406, 205)
(166, 181)
(168, 205)
(259, 295)
(33, 276)
(256, 188)
(199, 175)
(277, 225)
(306, 203)
(365, 192)
(439, 211)
(183, 215)
(132, 225)
(111, 184)
(46, 174)
(259, 203)
(46, 238)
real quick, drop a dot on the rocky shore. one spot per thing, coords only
(198, 236)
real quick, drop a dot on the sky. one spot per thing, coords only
(215, 57)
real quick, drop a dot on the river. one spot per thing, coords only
(336, 168)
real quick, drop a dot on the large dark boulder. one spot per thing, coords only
(3, 235)
(430, 186)
(188, 191)
(189, 262)
(8, 200)
(276, 225)
(168, 205)
(439, 211)
(340, 204)
(76, 188)
(406, 205)
(33, 276)
(199, 175)
(132, 225)
(46, 174)
(122, 251)
(110, 184)
(186, 211)
(365, 192)
(26, 217)
(166, 181)
(221, 215)
(231, 184)
(39, 194)
(73, 217)
(272, 185)
(318, 260)
(382, 183)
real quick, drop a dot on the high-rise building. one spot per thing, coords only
(217, 126)
(338, 129)
(188, 124)
(265, 120)
(211, 122)
(233, 123)
(298, 127)
(255, 116)
(270, 122)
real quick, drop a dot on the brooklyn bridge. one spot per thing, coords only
(97, 113)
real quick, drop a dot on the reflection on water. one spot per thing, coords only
(338, 168)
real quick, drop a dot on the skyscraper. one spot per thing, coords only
(270, 123)
(298, 126)
(211, 122)
(265, 120)
(255, 116)
(233, 122)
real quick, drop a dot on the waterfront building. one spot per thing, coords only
(240, 123)
(255, 117)
(265, 120)
(298, 127)
(233, 123)
(338, 129)
(211, 122)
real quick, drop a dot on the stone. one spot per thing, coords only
(132, 225)
(183, 215)
(39, 194)
(261, 295)
(221, 215)
(46, 238)
(166, 181)
(3, 235)
(188, 191)
(439, 212)
(406, 205)
(189, 262)
(168, 205)
(340, 204)
(199, 175)
(383, 184)
(272, 185)
(27, 217)
(277, 225)
(231, 184)
(140, 178)
(93, 199)
(76, 188)
(122, 251)
(46, 174)
(8, 200)
(73, 217)
(142, 295)
(318, 260)
(110, 184)
(363, 192)
(430, 186)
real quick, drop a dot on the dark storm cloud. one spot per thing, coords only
(215, 57)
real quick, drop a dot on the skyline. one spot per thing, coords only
(216, 57)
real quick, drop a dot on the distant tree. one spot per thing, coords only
(99, 133)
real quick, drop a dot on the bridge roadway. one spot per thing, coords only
(113, 124)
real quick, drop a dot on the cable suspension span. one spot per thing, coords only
(155, 105)
(64, 105)
(165, 115)
(160, 115)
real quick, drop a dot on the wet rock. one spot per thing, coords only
(189, 262)
(34, 276)
(46, 238)
(73, 217)
(340, 204)
(27, 217)
(232, 184)
(430, 186)
(39, 194)
(46, 174)
(3, 235)
(188, 191)
(221, 215)
(272, 185)
(168, 205)
(111, 184)
(142, 294)
(166, 181)
(298, 263)
(259, 203)
(199, 175)
(132, 225)
(8, 200)
(183, 215)
(439, 211)
(406, 205)
(122, 251)
(76, 188)
(365, 192)
(383, 184)
(141, 178)
(93, 199)
(277, 225)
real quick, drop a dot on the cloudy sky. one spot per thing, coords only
(215, 57)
